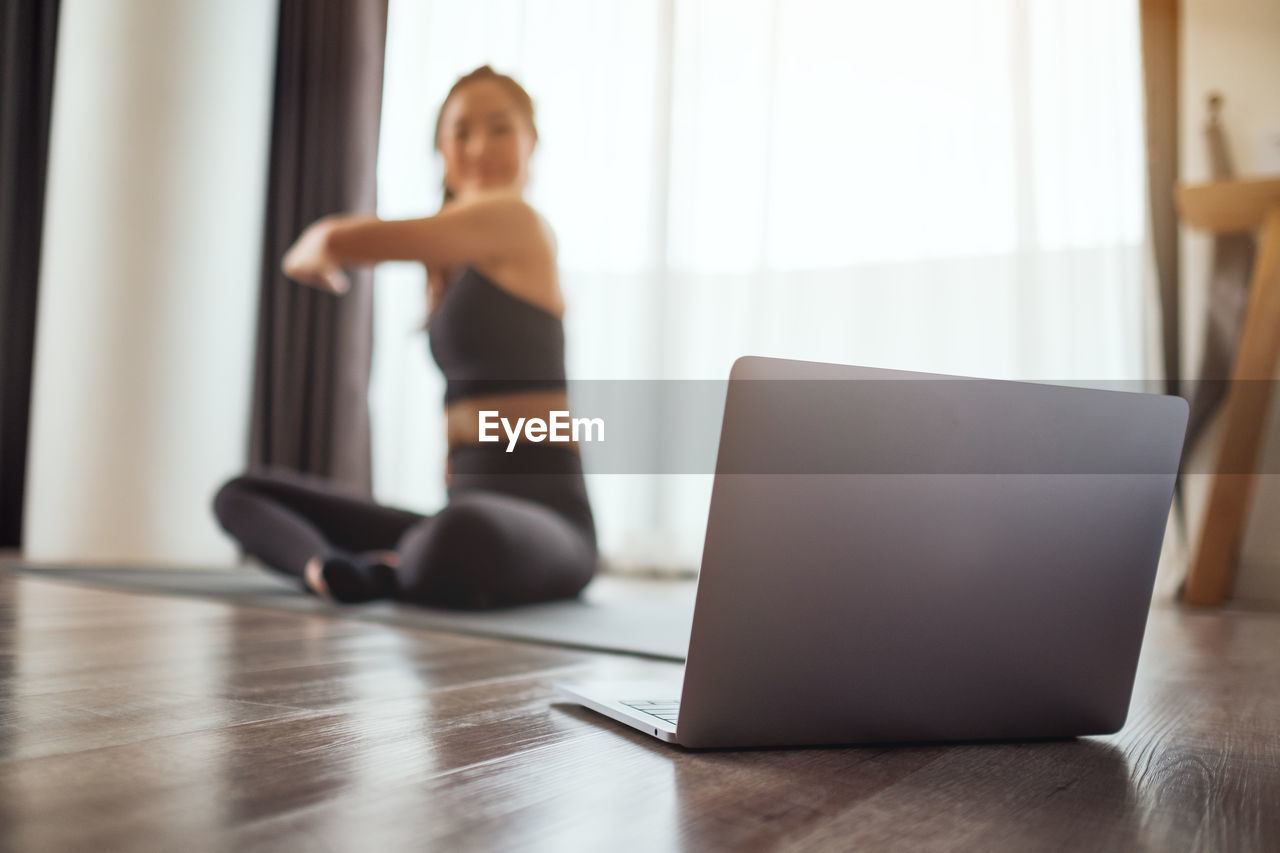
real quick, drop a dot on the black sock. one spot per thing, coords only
(381, 577)
(352, 579)
(344, 580)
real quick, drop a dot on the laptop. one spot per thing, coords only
(907, 557)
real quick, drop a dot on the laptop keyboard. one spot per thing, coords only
(666, 710)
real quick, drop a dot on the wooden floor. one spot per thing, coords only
(133, 722)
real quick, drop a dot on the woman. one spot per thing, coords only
(518, 526)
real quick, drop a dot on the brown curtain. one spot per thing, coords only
(1160, 25)
(311, 378)
(28, 36)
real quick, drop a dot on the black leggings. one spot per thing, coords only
(517, 528)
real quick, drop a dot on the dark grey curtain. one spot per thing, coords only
(310, 406)
(28, 36)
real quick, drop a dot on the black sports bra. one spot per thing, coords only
(487, 340)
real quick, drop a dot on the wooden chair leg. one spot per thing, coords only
(1212, 571)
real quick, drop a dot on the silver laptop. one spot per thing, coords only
(896, 556)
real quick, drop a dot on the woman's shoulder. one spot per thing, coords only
(521, 255)
(511, 212)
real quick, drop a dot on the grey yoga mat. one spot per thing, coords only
(647, 618)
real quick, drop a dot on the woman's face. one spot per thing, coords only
(485, 140)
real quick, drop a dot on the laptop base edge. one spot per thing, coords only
(605, 697)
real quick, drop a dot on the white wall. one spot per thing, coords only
(149, 277)
(1233, 47)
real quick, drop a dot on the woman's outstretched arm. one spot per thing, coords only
(495, 227)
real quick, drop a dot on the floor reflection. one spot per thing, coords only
(90, 726)
(1009, 796)
(357, 703)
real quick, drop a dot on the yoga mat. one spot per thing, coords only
(650, 618)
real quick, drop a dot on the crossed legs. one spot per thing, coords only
(483, 549)
(333, 542)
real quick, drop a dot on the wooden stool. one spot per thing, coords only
(1221, 207)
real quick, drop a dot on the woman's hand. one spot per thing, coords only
(311, 261)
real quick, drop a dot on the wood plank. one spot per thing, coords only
(1226, 206)
(231, 727)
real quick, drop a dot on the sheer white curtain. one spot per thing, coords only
(926, 185)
